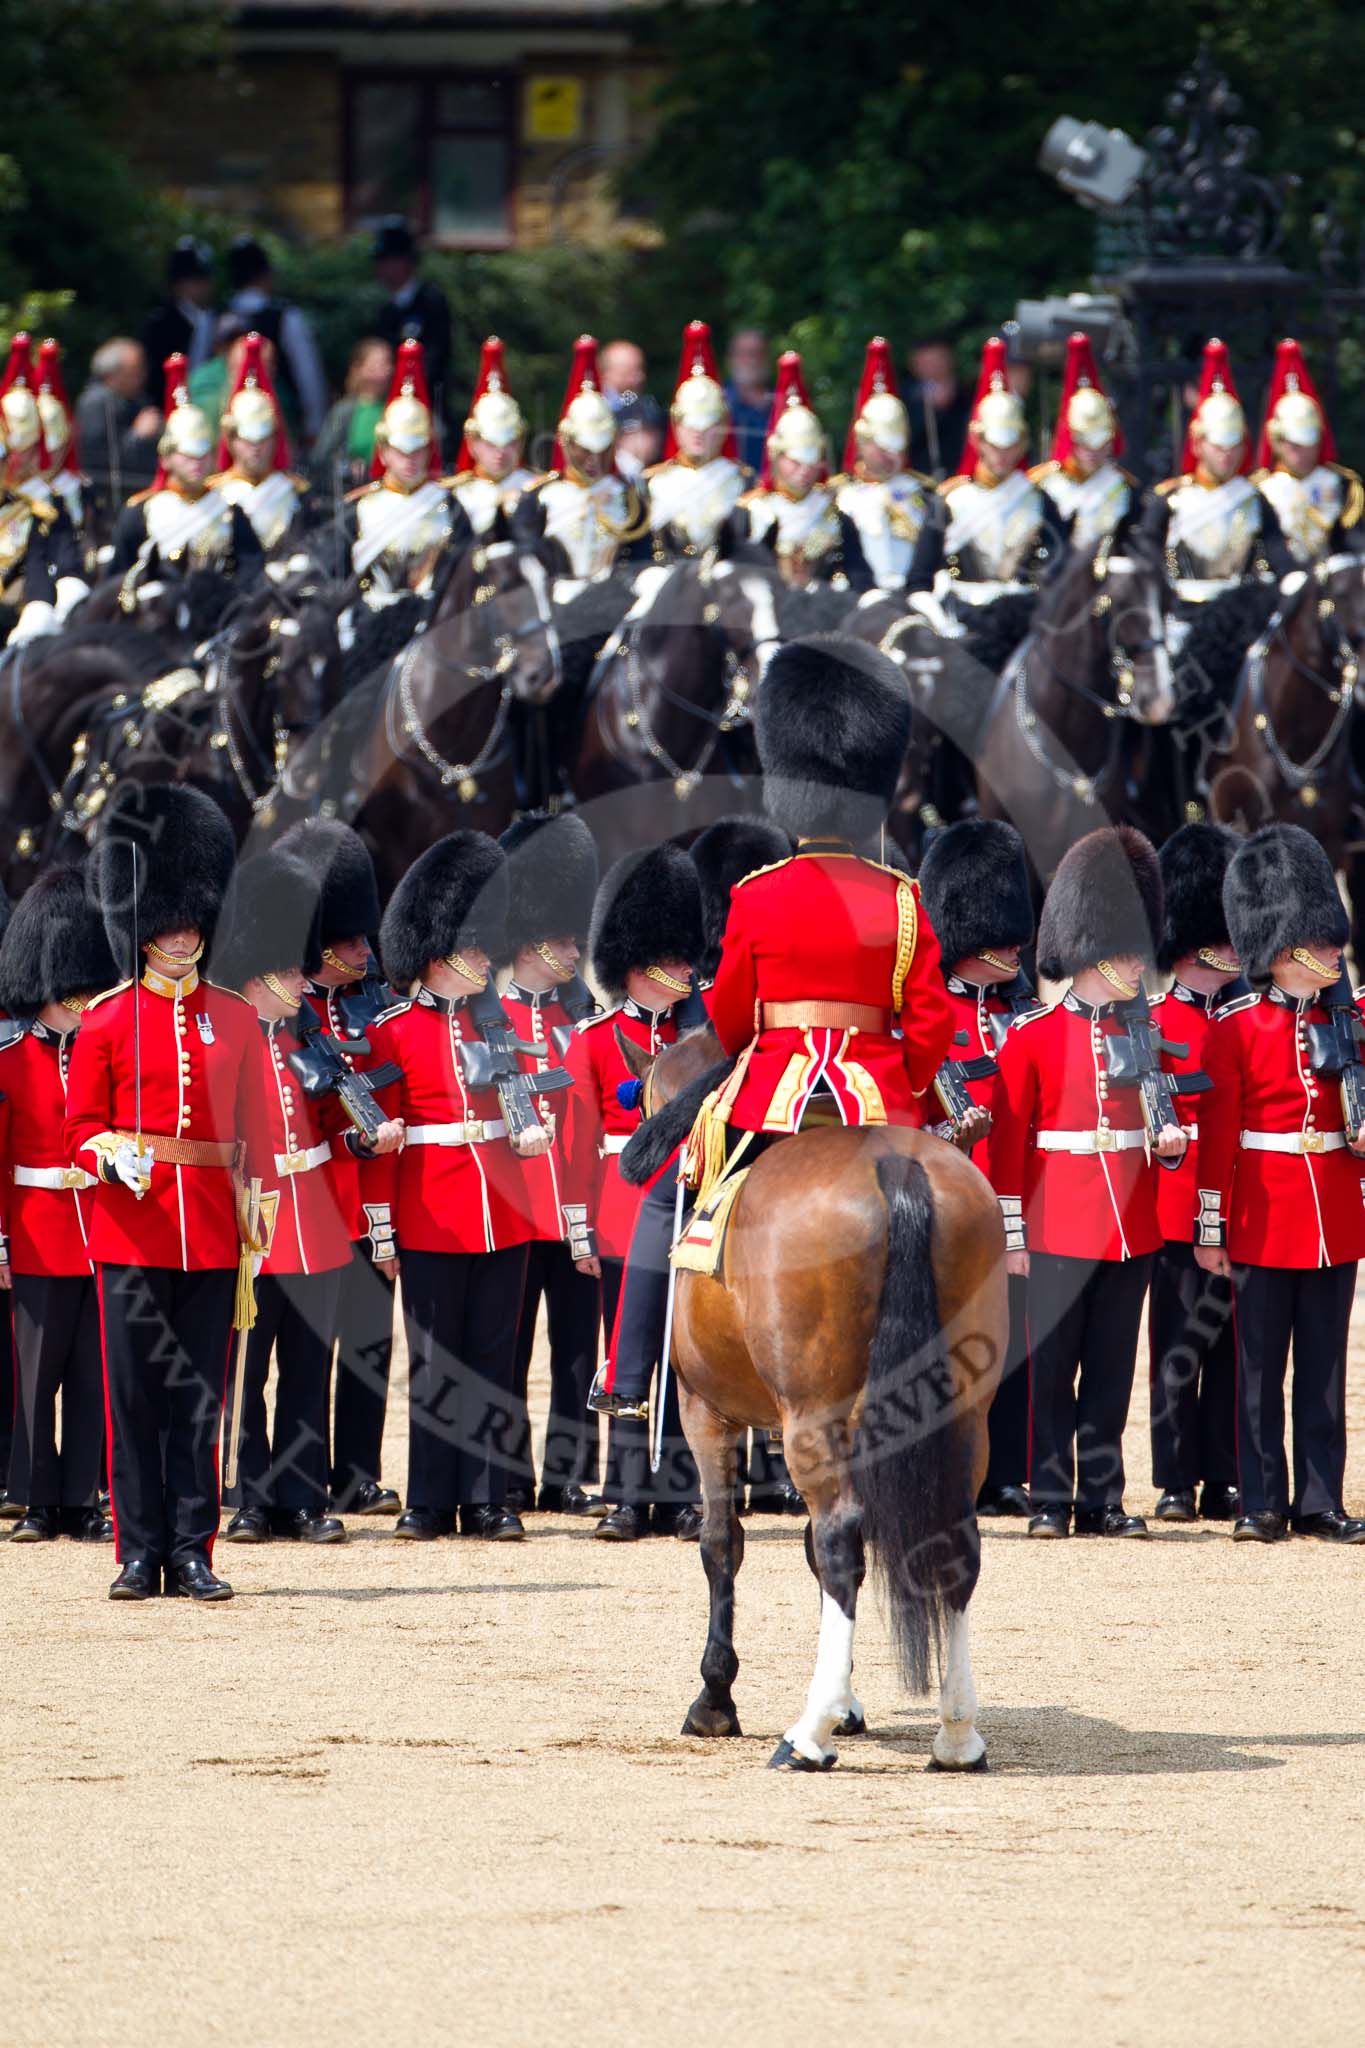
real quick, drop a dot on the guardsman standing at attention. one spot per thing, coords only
(1280, 1210)
(792, 510)
(552, 872)
(645, 941)
(1317, 501)
(164, 1092)
(491, 472)
(974, 882)
(460, 1207)
(181, 522)
(406, 522)
(695, 489)
(589, 515)
(53, 959)
(1190, 1316)
(346, 994)
(1070, 1159)
(1082, 477)
(253, 455)
(896, 511)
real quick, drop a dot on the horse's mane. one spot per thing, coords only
(997, 628)
(379, 635)
(659, 1137)
(596, 610)
(1210, 661)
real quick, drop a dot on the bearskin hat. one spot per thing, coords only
(832, 720)
(179, 846)
(1280, 891)
(55, 945)
(269, 920)
(648, 909)
(340, 861)
(552, 878)
(1105, 900)
(974, 884)
(722, 855)
(1194, 861)
(453, 898)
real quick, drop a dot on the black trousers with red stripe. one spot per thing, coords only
(364, 1354)
(57, 1352)
(1309, 1308)
(1007, 1424)
(1194, 1374)
(6, 1391)
(285, 1466)
(1083, 1317)
(571, 1308)
(464, 1434)
(165, 1338)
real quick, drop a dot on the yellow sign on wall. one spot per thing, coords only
(553, 109)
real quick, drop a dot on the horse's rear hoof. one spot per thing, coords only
(852, 1724)
(958, 1770)
(785, 1758)
(711, 1721)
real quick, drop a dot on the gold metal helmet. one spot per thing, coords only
(56, 425)
(1220, 421)
(496, 418)
(1091, 418)
(1000, 419)
(588, 422)
(405, 424)
(699, 402)
(250, 414)
(23, 422)
(1297, 419)
(885, 422)
(187, 431)
(799, 435)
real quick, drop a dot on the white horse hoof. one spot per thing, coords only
(785, 1758)
(853, 1723)
(948, 1755)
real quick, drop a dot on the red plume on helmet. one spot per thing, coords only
(1291, 373)
(252, 375)
(879, 374)
(19, 377)
(790, 390)
(1080, 373)
(994, 377)
(583, 376)
(410, 381)
(698, 359)
(52, 384)
(1216, 375)
(492, 377)
(176, 370)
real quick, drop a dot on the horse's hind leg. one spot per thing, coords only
(855, 1720)
(958, 1744)
(836, 1550)
(714, 1445)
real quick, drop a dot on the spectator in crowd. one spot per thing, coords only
(183, 322)
(939, 408)
(621, 366)
(749, 393)
(302, 385)
(211, 379)
(416, 309)
(641, 424)
(344, 449)
(116, 431)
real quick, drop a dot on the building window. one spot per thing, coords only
(437, 149)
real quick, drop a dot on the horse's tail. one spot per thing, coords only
(911, 1461)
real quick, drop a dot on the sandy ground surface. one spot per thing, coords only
(438, 1792)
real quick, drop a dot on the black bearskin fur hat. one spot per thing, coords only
(722, 855)
(341, 863)
(552, 878)
(55, 945)
(1105, 900)
(648, 910)
(454, 897)
(974, 885)
(1194, 861)
(269, 921)
(1280, 891)
(184, 853)
(832, 720)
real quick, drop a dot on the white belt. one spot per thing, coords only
(1202, 589)
(986, 593)
(476, 1131)
(612, 1144)
(302, 1162)
(1292, 1141)
(53, 1177)
(1091, 1141)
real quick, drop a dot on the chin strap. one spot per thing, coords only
(668, 981)
(994, 960)
(1209, 956)
(279, 991)
(177, 959)
(1311, 961)
(462, 966)
(338, 965)
(553, 962)
(1126, 989)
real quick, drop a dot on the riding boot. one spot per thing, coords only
(640, 1321)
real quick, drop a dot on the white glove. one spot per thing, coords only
(133, 1168)
(35, 622)
(71, 590)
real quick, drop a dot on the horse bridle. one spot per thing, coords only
(735, 712)
(462, 776)
(1338, 685)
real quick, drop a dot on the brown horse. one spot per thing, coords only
(861, 1309)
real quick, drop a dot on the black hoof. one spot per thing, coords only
(852, 1724)
(711, 1721)
(960, 1770)
(785, 1758)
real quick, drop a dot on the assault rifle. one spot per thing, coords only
(322, 1070)
(1334, 1050)
(1020, 998)
(950, 1082)
(491, 1061)
(1132, 1060)
(577, 1001)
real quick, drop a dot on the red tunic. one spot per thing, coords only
(348, 1173)
(827, 926)
(1300, 1209)
(1098, 1204)
(47, 1227)
(465, 1197)
(202, 1079)
(535, 1015)
(596, 1126)
(1184, 1017)
(312, 1232)
(972, 1007)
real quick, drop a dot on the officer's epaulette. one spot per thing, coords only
(300, 483)
(394, 1010)
(1355, 493)
(141, 497)
(752, 497)
(1041, 471)
(105, 994)
(1171, 483)
(1238, 1003)
(551, 476)
(220, 990)
(657, 468)
(1258, 476)
(363, 490)
(839, 479)
(585, 1024)
(770, 869)
(951, 484)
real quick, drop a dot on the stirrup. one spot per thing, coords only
(600, 1402)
